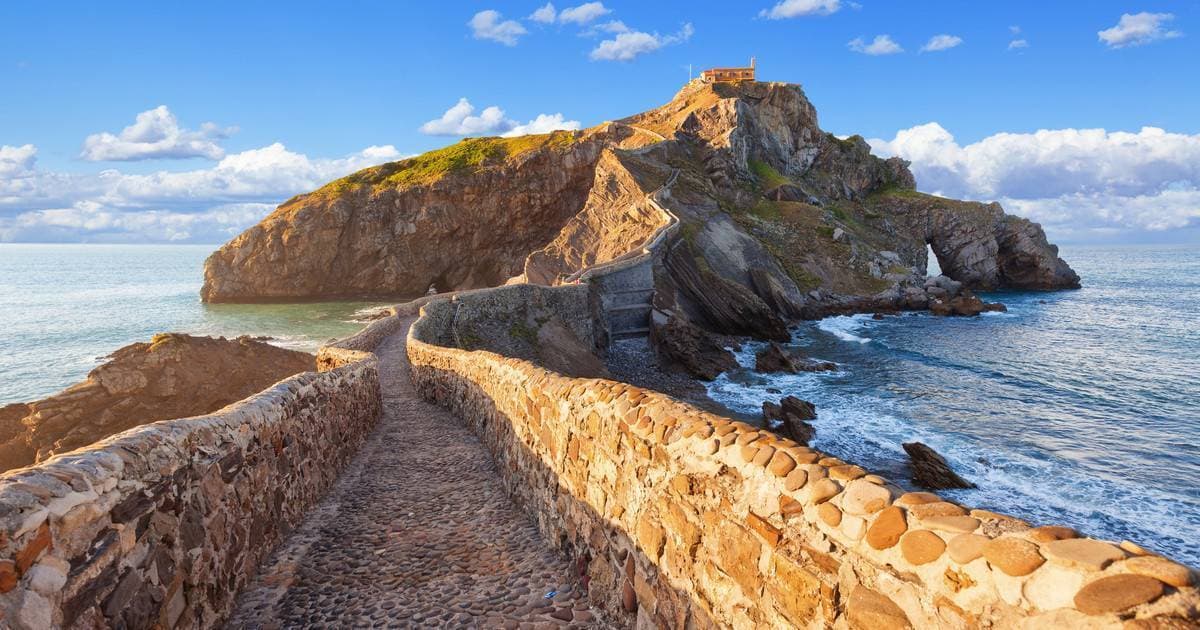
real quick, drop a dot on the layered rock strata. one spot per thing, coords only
(173, 376)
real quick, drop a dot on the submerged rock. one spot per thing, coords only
(965, 305)
(930, 470)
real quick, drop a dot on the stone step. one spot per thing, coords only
(626, 298)
(645, 306)
(631, 333)
(624, 319)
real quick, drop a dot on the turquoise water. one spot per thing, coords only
(64, 307)
(1075, 407)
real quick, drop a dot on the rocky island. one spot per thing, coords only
(468, 460)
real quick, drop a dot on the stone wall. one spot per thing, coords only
(161, 525)
(681, 518)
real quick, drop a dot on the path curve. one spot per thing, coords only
(417, 532)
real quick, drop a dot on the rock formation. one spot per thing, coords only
(930, 470)
(173, 376)
(694, 349)
(792, 415)
(777, 220)
(775, 358)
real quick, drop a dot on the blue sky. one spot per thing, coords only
(298, 93)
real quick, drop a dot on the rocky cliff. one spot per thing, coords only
(778, 219)
(173, 376)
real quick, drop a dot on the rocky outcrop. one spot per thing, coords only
(462, 217)
(790, 417)
(930, 470)
(615, 218)
(173, 376)
(775, 358)
(692, 348)
(984, 248)
(966, 305)
(777, 219)
(725, 306)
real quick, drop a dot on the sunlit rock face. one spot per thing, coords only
(173, 376)
(779, 219)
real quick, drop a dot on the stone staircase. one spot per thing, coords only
(628, 312)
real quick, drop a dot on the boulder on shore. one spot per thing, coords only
(792, 415)
(930, 470)
(775, 358)
(696, 350)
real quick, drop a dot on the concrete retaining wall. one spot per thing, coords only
(160, 526)
(681, 518)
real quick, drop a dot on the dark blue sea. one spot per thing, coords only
(1075, 407)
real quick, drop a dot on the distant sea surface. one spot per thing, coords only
(63, 308)
(1075, 407)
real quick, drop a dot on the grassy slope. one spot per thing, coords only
(467, 155)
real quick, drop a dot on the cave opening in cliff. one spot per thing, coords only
(933, 266)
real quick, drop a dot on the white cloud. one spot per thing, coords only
(583, 13)
(1017, 44)
(544, 123)
(881, 45)
(1015, 30)
(796, 8)
(491, 25)
(460, 120)
(156, 134)
(1137, 29)
(1075, 181)
(544, 15)
(15, 161)
(202, 205)
(629, 44)
(941, 42)
(611, 26)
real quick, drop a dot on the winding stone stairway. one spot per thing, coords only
(418, 532)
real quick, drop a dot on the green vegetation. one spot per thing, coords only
(767, 175)
(689, 230)
(766, 210)
(468, 155)
(896, 191)
(849, 144)
(521, 330)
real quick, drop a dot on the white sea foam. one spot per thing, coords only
(844, 326)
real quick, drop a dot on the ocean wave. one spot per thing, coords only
(844, 326)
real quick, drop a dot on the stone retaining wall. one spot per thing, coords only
(681, 518)
(160, 526)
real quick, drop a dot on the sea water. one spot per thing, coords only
(1074, 407)
(63, 308)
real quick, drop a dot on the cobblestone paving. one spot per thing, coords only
(417, 533)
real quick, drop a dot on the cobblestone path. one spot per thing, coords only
(417, 533)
